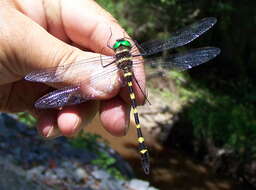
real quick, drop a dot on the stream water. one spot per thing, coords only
(169, 169)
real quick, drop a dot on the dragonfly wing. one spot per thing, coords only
(59, 98)
(72, 95)
(184, 61)
(178, 38)
(57, 74)
(48, 75)
(192, 58)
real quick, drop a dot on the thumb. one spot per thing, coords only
(28, 47)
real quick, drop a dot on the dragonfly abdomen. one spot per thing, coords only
(142, 146)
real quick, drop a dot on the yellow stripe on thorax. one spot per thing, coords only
(121, 51)
(119, 61)
(138, 126)
(127, 74)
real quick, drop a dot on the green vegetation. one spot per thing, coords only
(85, 140)
(104, 160)
(228, 121)
(26, 118)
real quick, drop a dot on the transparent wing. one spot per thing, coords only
(56, 74)
(178, 38)
(183, 61)
(72, 95)
(60, 98)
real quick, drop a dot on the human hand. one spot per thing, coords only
(46, 33)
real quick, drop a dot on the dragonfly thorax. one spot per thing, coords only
(123, 57)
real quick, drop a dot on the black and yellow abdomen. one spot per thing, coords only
(142, 146)
(124, 62)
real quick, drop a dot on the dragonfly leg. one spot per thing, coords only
(107, 64)
(145, 96)
(110, 36)
(101, 61)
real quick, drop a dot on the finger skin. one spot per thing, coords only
(115, 116)
(70, 118)
(47, 27)
(46, 124)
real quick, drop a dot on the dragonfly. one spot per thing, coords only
(125, 60)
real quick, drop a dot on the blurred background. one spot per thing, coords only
(214, 114)
(202, 127)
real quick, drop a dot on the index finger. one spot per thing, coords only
(90, 26)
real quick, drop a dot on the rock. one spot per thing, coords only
(137, 184)
(67, 164)
(61, 173)
(50, 175)
(152, 188)
(33, 172)
(31, 163)
(80, 174)
(14, 178)
(110, 185)
(100, 174)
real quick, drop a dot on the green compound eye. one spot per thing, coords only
(126, 43)
(117, 45)
(122, 43)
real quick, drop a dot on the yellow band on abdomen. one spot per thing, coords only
(143, 151)
(134, 110)
(141, 139)
(132, 96)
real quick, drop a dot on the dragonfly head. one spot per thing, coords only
(122, 43)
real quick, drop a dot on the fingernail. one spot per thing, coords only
(53, 133)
